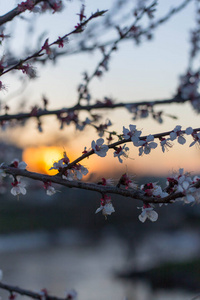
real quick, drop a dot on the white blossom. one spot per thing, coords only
(121, 151)
(106, 206)
(50, 190)
(196, 137)
(165, 144)
(69, 175)
(189, 130)
(20, 165)
(18, 188)
(133, 133)
(62, 163)
(147, 145)
(177, 133)
(80, 171)
(99, 148)
(148, 213)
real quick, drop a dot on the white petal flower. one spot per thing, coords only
(50, 190)
(148, 213)
(133, 133)
(189, 130)
(178, 133)
(165, 144)
(121, 151)
(147, 145)
(106, 206)
(181, 140)
(18, 188)
(99, 148)
(16, 164)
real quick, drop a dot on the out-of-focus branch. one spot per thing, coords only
(41, 112)
(79, 28)
(23, 292)
(135, 194)
(13, 13)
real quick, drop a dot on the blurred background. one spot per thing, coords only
(59, 242)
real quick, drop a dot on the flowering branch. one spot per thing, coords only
(69, 171)
(41, 295)
(131, 193)
(15, 12)
(81, 47)
(99, 105)
(104, 62)
(47, 46)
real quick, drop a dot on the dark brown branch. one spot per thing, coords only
(40, 112)
(120, 142)
(132, 193)
(23, 292)
(12, 14)
(135, 194)
(39, 52)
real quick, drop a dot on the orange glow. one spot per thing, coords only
(41, 159)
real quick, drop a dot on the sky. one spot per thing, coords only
(149, 71)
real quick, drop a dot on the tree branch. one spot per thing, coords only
(13, 13)
(44, 112)
(23, 292)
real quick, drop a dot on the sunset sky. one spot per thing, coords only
(147, 72)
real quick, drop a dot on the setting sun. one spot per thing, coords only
(41, 159)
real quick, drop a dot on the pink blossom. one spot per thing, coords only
(105, 181)
(24, 5)
(29, 70)
(57, 5)
(46, 47)
(126, 181)
(81, 15)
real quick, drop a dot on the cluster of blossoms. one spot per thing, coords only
(106, 206)
(18, 187)
(77, 171)
(55, 5)
(189, 88)
(185, 184)
(145, 145)
(181, 183)
(28, 70)
(144, 111)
